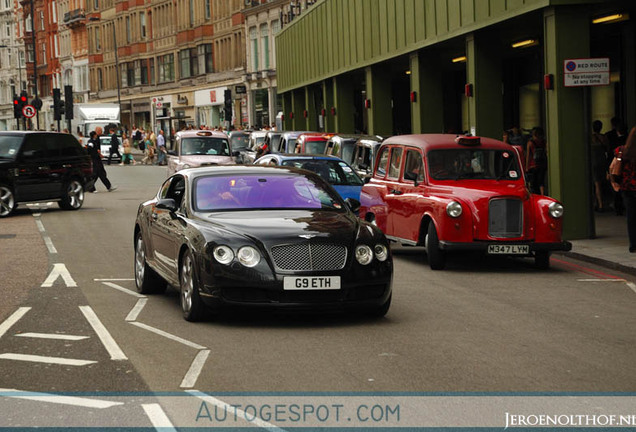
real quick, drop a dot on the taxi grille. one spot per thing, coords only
(505, 218)
(309, 256)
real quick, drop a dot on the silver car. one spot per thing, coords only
(196, 148)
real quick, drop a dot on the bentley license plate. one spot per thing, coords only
(509, 249)
(311, 283)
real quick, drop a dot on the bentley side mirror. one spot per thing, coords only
(167, 204)
(353, 204)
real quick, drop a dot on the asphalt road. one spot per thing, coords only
(482, 325)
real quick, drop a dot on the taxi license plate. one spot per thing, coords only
(311, 283)
(509, 249)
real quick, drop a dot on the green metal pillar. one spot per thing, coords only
(426, 111)
(378, 80)
(312, 97)
(298, 106)
(287, 108)
(484, 72)
(344, 104)
(327, 97)
(566, 130)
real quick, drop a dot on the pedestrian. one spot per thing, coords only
(161, 148)
(80, 138)
(507, 134)
(99, 171)
(127, 157)
(627, 184)
(114, 145)
(616, 137)
(149, 152)
(537, 161)
(599, 149)
(517, 138)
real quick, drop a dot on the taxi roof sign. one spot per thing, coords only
(468, 140)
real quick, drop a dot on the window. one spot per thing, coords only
(208, 10)
(275, 27)
(7, 4)
(100, 79)
(396, 160)
(191, 7)
(152, 71)
(7, 29)
(143, 71)
(142, 24)
(265, 39)
(166, 68)
(384, 160)
(128, 35)
(96, 5)
(254, 39)
(56, 42)
(189, 64)
(43, 50)
(130, 74)
(41, 20)
(413, 170)
(54, 12)
(28, 24)
(30, 53)
(206, 62)
(98, 44)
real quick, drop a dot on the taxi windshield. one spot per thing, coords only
(204, 146)
(488, 164)
(262, 192)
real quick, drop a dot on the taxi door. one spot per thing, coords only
(394, 192)
(409, 202)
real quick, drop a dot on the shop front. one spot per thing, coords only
(208, 105)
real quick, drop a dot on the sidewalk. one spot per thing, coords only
(610, 247)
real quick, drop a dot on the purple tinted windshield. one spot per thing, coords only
(217, 193)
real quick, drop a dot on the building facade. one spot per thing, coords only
(407, 66)
(12, 62)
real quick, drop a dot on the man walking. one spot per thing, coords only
(114, 145)
(93, 146)
(161, 149)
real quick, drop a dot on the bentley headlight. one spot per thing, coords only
(223, 254)
(381, 252)
(556, 210)
(364, 254)
(248, 256)
(454, 209)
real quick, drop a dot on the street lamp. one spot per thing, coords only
(94, 18)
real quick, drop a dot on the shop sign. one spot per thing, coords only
(240, 89)
(586, 72)
(213, 96)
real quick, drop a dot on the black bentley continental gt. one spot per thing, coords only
(260, 236)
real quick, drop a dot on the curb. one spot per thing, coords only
(601, 262)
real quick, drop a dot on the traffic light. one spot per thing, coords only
(23, 100)
(17, 109)
(227, 106)
(58, 104)
(68, 102)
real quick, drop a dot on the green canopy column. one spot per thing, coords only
(427, 112)
(566, 36)
(298, 106)
(344, 104)
(378, 79)
(287, 108)
(484, 73)
(327, 96)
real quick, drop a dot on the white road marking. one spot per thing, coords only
(109, 343)
(122, 289)
(49, 244)
(239, 413)
(601, 280)
(44, 359)
(169, 336)
(115, 280)
(134, 313)
(191, 377)
(14, 318)
(53, 398)
(158, 417)
(629, 284)
(52, 336)
(59, 270)
(40, 225)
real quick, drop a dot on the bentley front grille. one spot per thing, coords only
(505, 218)
(309, 256)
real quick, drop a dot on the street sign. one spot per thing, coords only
(28, 111)
(158, 105)
(240, 89)
(586, 72)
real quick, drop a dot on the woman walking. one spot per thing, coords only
(627, 184)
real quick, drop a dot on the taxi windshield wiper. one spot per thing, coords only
(504, 173)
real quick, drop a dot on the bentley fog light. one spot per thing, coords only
(454, 209)
(556, 210)
(364, 254)
(248, 256)
(223, 254)
(381, 252)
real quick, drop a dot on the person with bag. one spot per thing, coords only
(537, 161)
(623, 178)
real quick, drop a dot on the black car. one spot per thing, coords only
(42, 166)
(259, 236)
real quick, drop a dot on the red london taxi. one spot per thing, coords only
(458, 193)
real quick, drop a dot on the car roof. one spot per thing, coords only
(314, 136)
(432, 141)
(198, 133)
(258, 134)
(291, 134)
(21, 132)
(301, 156)
(345, 137)
(239, 170)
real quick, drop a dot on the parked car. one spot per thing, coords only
(273, 140)
(259, 236)
(239, 141)
(288, 141)
(247, 155)
(332, 169)
(460, 194)
(342, 146)
(311, 143)
(104, 148)
(42, 166)
(365, 153)
(196, 148)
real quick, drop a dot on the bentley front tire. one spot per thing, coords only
(191, 302)
(146, 279)
(436, 256)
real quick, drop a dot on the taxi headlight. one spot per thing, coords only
(248, 256)
(381, 252)
(556, 210)
(454, 209)
(364, 254)
(223, 254)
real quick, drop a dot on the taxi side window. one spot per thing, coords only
(413, 168)
(396, 160)
(383, 162)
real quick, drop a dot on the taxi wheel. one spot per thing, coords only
(542, 260)
(146, 279)
(191, 302)
(436, 256)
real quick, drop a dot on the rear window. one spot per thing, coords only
(315, 147)
(204, 146)
(9, 146)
